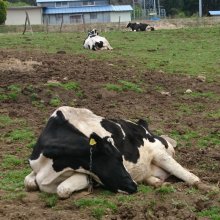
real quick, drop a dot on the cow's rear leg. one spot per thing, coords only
(74, 183)
(166, 162)
(30, 182)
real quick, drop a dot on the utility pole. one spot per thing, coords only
(158, 5)
(200, 8)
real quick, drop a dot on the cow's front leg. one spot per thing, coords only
(166, 162)
(76, 182)
(30, 182)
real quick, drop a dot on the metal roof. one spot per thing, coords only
(214, 13)
(86, 9)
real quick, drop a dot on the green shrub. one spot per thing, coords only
(3, 12)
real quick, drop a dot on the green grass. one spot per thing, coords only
(98, 206)
(24, 134)
(13, 180)
(123, 86)
(144, 189)
(55, 101)
(213, 213)
(5, 120)
(11, 161)
(171, 51)
(165, 190)
(67, 86)
(10, 93)
(50, 200)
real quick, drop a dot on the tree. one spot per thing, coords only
(3, 12)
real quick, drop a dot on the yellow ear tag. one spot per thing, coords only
(92, 142)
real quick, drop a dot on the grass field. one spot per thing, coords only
(191, 51)
(126, 82)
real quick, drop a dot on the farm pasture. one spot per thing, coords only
(145, 76)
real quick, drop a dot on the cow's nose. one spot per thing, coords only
(132, 188)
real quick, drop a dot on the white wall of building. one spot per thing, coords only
(16, 16)
(124, 16)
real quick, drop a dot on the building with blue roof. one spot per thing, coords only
(83, 11)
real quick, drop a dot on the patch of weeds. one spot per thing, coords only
(213, 213)
(106, 193)
(20, 135)
(97, 204)
(38, 104)
(159, 88)
(144, 189)
(192, 190)
(49, 199)
(214, 114)
(178, 204)
(3, 97)
(97, 213)
(5, 120)
(68, 86)
(130, 86)
(31, 144)
(14, 196)
(11, 161)
(124, 86)
(165, 190)
(13, 180)
(210, 95)
(212, 140)
(185, 137)
(185, 108)
(125, 198)
(113, 87)
(14, 92)
(55, 102)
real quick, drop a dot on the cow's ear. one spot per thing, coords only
(94, 139)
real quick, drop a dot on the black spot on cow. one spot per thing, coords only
(134, 137)
(99, 44)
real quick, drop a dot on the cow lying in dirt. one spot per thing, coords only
(140, 27)
(76, 143)
(96, 42)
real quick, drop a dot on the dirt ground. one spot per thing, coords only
(33, 70)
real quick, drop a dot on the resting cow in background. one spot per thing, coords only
(140, 27)
(96, 42)
(76, 143)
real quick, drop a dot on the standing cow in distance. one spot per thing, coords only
(76, 144)
(96, 42)
(140, 27)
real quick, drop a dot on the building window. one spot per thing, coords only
(62, 4)
(89, 3)
(93, 16)
(76, 19)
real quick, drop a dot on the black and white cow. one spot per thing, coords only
(60, 159)
(96, 42)
(63, 155)
(140, 27)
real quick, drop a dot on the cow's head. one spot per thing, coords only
(129, 24)
(93, 32)
(107, 164)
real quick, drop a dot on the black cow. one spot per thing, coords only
(140, 27)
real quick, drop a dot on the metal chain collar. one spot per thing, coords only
(90, 188)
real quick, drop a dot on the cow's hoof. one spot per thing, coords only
(63, 192)
(30, 184)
